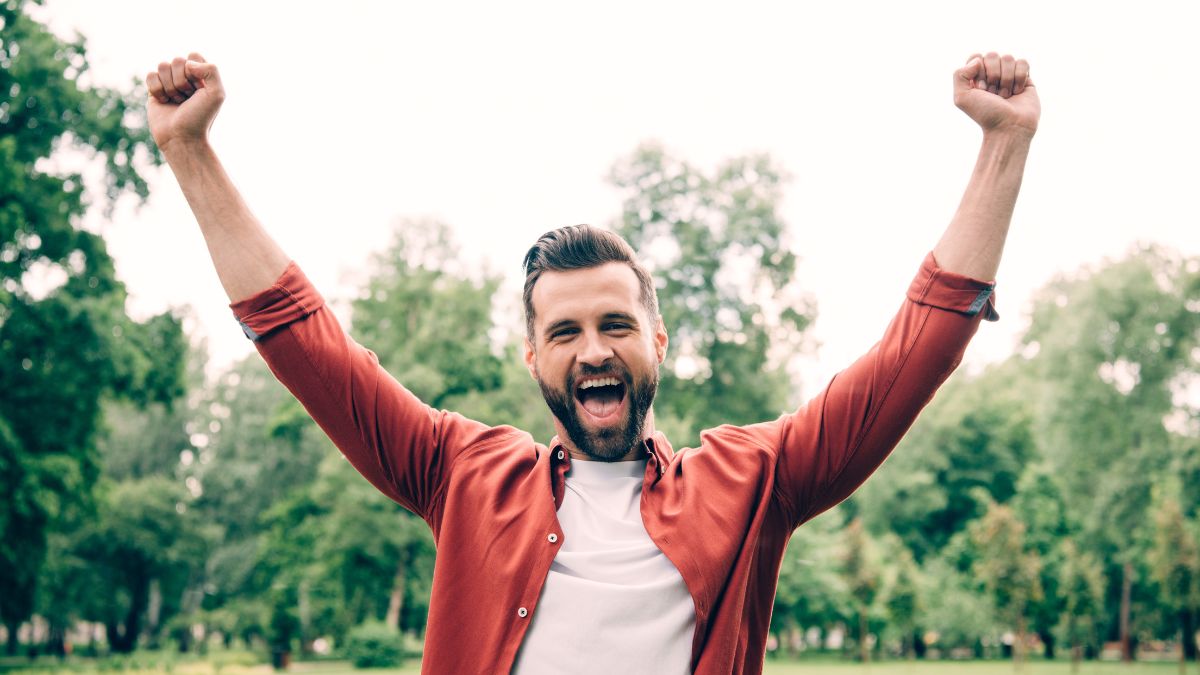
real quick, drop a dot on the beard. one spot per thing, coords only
(608, 444)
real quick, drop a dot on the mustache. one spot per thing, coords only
(586, 370)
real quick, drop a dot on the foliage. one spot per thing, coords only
(1005, 566)
(812, 591)
(1081, 584)
(375, 645)
(143, 534)
(426, 318)
(65, 340)
(969, 447)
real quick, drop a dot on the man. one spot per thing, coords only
(605, 551)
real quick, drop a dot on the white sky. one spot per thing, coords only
(502, 119)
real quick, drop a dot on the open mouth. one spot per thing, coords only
(602, 398)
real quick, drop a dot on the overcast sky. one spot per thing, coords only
(502, 120)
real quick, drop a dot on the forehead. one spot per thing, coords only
(579, 294)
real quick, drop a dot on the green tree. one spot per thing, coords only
(968, 448)
(143, 537)
(904, 602)
(427, 319)
(255, 460)
(1082, 587)
(860, 564)
(1007, 568)
(1040, 505)
(65, 340)
(812, 591)
(1112, 344)
(1175, 565)
(717, 247)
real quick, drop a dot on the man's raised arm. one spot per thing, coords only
(399, 444)
(835, 441)
(998, 94)
(185, 96)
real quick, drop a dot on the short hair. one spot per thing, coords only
(577, 247)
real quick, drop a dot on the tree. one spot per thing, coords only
(811, 592)
(142, 535)
(1040, 505)
(1082, 587)
(1008, 570)
(1175, 565)
(65, 340)
(1112, 344)
(427, 319)
(864, 579)
(968, 448)
(904, 602)
(717, 248)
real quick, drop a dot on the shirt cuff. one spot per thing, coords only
(937, 287)
(291, 298)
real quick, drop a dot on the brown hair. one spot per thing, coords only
(577, 247)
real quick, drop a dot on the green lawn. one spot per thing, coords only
(889, 668)
(773, 668)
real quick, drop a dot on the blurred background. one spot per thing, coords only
(782, 168)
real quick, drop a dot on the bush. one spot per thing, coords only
(375, 645)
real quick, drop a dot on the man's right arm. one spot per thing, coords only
(402, 446)
(185, 96)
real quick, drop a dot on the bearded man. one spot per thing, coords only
(606, 551)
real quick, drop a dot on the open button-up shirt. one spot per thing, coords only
(722, 512)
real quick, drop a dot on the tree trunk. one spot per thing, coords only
(1187, 620)
(864, 649)
(56, 642)
(123, 638)
(1047, 638)
(1019, 644)
(14, 642)
(304, 609)
(396, 601)
(1126, 593)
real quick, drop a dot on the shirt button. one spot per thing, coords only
(560, 454)
(522, 612)
(552, 538)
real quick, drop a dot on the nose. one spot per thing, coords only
(595, 350)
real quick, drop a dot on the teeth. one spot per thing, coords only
(602, 382)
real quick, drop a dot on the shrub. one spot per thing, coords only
(375, 645)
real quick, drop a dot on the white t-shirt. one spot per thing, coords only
(612, 604)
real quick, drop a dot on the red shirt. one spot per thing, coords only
(722, 513)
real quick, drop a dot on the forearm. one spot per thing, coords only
(974, 241)
(247, 260)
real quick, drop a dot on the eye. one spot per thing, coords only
(617, 326)
(563, 333)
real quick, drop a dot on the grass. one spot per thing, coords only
(208, 667)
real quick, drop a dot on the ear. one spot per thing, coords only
(530, 359)
(660, 340)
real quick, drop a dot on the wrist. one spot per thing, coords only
(184, 146)
(1010, 134)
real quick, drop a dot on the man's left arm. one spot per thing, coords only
(831, 445)
(998, 94)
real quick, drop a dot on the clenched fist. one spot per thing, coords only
(185, 96)
(997, 92)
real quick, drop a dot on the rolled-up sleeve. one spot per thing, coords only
(832, 444)
(939, 288)
(399, 444)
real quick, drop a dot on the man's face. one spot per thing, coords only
(595, 354)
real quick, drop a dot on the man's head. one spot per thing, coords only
(594, 338)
